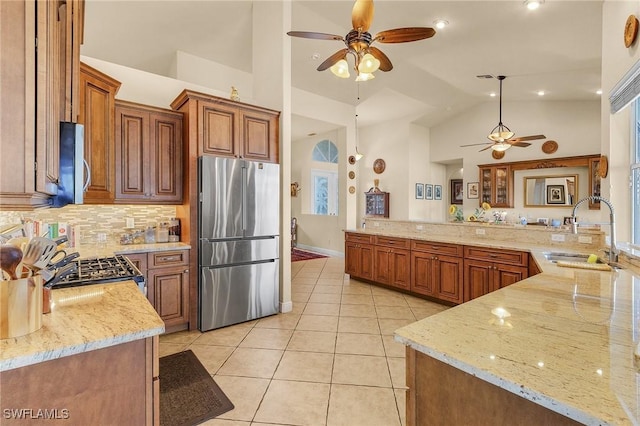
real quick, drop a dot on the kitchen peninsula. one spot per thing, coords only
(555, 348)
(94, 361)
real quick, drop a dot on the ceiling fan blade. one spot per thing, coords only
(385, 62)
(484, 149)
(404, 35)
(520, 144)
(362, 15)
(477, 144)
(316, 36)
(331, 60)
(527, 138)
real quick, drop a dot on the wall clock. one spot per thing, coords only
(630, 30)
(379, 166)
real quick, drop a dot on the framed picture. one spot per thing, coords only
(542, 221)
(555, 194)
(568, 220)
(437, 192)
(456, 191)
(428, 191)
(472, 190)
(419, 191)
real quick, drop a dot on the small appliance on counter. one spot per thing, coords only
(239, 260)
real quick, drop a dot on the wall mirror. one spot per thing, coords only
(551, 191)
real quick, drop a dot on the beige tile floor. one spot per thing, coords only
(332, 361)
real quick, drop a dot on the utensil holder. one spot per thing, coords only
(20, 306)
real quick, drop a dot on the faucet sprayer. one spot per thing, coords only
(613, 252)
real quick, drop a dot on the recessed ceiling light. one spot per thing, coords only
(315, 56)
(599, 92)
(533, 4)
(492, 94)
(540, 92)
(440, 23)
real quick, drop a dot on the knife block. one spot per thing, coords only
(20, 306)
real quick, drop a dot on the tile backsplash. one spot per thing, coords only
(92, 219)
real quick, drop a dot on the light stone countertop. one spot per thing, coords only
(564, 339)
(109, 249)
(83, 319)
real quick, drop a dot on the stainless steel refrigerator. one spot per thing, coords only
(239, 221)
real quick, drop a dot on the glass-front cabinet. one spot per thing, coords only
(377, 203)
(495, 184)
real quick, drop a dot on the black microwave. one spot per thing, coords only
(71, 183)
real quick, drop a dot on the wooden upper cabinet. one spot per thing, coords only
(496, 186)
(231, 129)
(36, 86)
(148, 152)
(97, 111)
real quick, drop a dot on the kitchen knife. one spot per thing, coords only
(66, 270)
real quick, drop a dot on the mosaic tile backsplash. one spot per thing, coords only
(94, 219)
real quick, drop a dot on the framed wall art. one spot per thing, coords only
(555, 194)
(428, 191)
(419, 191)
(456, 191)
(472, 190)
(437, 192)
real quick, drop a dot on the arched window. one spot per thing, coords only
(324, 179)
(325, 152)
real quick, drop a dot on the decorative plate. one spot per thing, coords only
(352, 159)
(352, 190)
(630, 30)
(497, 154)
(549, 147)
(352, 174)
(379, 166)
(603, 166)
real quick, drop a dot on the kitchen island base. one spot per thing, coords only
(440, 394)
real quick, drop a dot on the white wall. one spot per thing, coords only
(616, 129)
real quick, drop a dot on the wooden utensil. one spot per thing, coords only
(10, 257)
(38, 253)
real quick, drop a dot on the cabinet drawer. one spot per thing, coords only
(358, 238)
(497, 255)
(392, 242)
(438, 248)
(161, 259)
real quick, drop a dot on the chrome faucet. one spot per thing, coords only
(613, 252)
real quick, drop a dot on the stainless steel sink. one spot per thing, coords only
(568, 257)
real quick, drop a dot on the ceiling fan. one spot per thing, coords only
(502, 138)
(358, 41)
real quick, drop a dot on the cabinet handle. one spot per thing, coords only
(186, 271)
(493, 256)
(169, 258)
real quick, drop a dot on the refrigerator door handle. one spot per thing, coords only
(244, 199)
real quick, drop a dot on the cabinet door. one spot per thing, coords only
(218, 125)
(422, 266)
(366, 261)
(448, 275)
(97, 113)
(168, 292)
(504, 275)
(139, 260)
(383, 262)
(259, 136)
(351, 259)
(165, 156)
(131, 153)
(477, 279)
(400, 268)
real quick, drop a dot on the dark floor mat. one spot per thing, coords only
(188, 393)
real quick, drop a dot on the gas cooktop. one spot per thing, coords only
(101, 270)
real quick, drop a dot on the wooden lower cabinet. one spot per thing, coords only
(167, 278)
(464, 399)
(487, 270)
(437, 276)
(117, 385)
(359, 255)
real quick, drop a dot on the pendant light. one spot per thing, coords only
(500, 133)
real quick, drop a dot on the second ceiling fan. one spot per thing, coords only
(502, 138)
(358, 43)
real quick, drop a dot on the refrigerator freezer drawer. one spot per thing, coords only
(218, 253)
(235, 294)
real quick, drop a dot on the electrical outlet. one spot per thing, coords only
(585, 239)
(419, 227)
(557, 237)
(479, 231)
(376, 223)
(129, 222)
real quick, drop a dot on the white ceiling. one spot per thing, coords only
(556, 48)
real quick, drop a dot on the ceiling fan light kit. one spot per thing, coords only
(368, 59)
